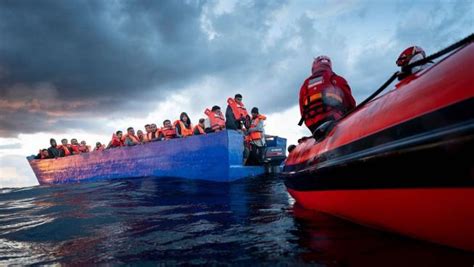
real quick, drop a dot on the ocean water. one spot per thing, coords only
(181, 222)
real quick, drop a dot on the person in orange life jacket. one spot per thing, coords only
(154, 134)
(409, 56)
(216, 120)
(167, 131)
(183, 126)
(43, 154)
(255, 138)
(141, 136)
(116, 140)
(84, 148)
(130, 139)
(65, 147)
(236, 115)
(54, 151)
(75, 146)
(147, 130)
(324, 96)
(99, 147)
(199, 128)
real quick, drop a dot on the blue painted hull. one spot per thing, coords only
(213, 157)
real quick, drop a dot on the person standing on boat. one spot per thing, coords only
(183, 126)
(236, 115)
(408, 56)
(130, 139)
(216, 120)
(167, 131)
(53, 150)
(199, 128)
(255, 138)
(324, 96)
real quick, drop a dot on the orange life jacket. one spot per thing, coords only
(116, 141)
(134, 138)
(217, 121)
(257, 135)
(184, 131)
(168, 133)
(199, 128)
(66, 149)
(149, 136)
(239, 110)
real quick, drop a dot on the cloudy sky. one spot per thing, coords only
(84, 69)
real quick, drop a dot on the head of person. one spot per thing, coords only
(83, 143)
(98, 144)
(148, 128)
(291, 148)
(74, 141)
(131, 131)
(139, 132)
(254, 112)
(153, 127)
(184, 118)
(216, 109)
(52, 142)
(166, 123)
(44, 153)
(238, 98)
(201, 121)
(321, 62)
(119, 134)
(410, 55)
(64, 141)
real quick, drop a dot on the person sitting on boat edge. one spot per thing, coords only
(116, 140)
(99, 147)
(43, 154)
(216, 120)
(409, 56)
(255, 138)
(324, 96)
(130, 139)
(167, 132)
(199, 128)
(83, 147)
(75, 146)
(183, 126)
(236, 115)
(141, 136)
(153, 134)
(65, 147)
(54, 151)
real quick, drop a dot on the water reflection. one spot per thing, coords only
(178, 221)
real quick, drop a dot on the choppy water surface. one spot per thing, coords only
(175, 221)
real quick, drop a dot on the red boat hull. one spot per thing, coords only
(444, 216)
(403, 162)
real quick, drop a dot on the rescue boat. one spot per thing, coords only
(402, 162)
(213, 157)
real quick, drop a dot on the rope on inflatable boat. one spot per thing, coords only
(438, 54)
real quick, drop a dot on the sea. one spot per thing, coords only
(168, 222)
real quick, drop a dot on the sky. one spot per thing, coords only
(84, 69)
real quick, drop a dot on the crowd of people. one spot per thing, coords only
(236, 118)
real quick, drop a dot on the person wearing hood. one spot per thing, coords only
(54, 151)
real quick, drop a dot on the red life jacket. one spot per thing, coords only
(324, 96)
(67, 149)
(116, 142)
(238, 110)
(149, 136)
(199, 128)
(168, 133)
(75, 149)
(84, 149)
(217, 121)
(100, 148)
(257, 135)
(184, 131)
